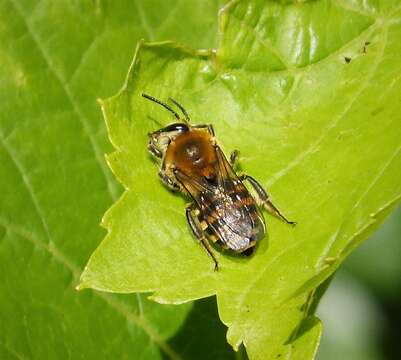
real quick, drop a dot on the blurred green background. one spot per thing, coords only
(361, 310)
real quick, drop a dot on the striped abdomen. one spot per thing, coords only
(232, 216)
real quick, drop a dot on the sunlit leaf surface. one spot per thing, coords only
(309, 92)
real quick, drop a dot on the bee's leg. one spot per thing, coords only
(234, 158)
(209, 128)
(168, 181)
(153, 148)
(264, 198)
(154, 151)
(199, 233)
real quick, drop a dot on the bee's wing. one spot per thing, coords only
(226, 176)
(194, 187)
(239, 222)
(230, 222)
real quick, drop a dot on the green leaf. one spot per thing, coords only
(383, 254)
(56, 58)
(309, 93)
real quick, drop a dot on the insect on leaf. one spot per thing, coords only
(308, 92)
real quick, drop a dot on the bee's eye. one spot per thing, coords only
(181, 127)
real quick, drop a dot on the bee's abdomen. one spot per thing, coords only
(234, 219)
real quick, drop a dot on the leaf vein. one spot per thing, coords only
(112, 302)
(354, 9)
(28, 186)
(12, 352)
(143, 20)
(64, 85)
(84, 57)
(266, 43)
(170, 16)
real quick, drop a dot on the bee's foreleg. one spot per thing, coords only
(264, 198)
(154, 149)
(199, 232)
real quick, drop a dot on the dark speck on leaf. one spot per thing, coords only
(347, 59)
(367, 43)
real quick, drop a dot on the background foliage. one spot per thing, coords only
(57, 58)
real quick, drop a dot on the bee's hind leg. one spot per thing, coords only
(264, 198)
(198, 232)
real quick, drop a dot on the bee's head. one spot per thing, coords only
(164, 136)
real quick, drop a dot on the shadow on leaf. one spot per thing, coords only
(203, 336)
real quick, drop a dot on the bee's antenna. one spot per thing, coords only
(181, 108)
(162, 104)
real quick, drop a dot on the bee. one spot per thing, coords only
(222, 209)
